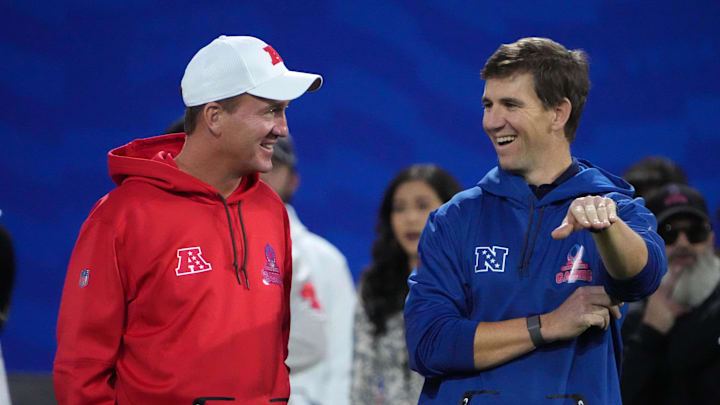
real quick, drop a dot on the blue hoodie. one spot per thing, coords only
(487, 256)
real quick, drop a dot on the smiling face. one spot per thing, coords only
(528, 138)
(249, 133)
(412, 203)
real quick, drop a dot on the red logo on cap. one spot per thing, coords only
(274, 56)
(675, 198)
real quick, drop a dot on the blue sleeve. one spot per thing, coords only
(643, 222)
(439, 333)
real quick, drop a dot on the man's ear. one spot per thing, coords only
(562, 114)
(212, 115)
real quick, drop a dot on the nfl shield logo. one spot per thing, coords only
(84, 278)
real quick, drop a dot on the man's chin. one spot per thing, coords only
(509, 166)
(265, 167)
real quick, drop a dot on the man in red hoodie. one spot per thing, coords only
(177, 289)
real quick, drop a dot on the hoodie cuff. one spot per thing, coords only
(461, 355)
(638, 287)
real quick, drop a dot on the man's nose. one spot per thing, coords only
(492, 119)
(281, 126)
(682, 240)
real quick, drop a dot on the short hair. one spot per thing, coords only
(653, 172)
(229, 104)
(177, 126)
(557, 73)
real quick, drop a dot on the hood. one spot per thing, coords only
(590, 180)
(151, 160)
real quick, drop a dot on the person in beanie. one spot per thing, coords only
(672, 355)
(177, 291)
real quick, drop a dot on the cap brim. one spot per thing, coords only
(287, 86)
(682, 210)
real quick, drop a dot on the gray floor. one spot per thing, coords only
(31, 389)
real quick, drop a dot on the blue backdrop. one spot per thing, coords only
(401, 86)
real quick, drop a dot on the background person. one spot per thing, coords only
(328, 286)
(177, 291)
(7, 279)
(653, 173)
(515, 299)
(646, 176)
(672, 355)
(381, 372)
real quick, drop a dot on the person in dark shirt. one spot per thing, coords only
(672, 355)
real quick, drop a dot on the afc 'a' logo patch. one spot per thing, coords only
(490, 259)
(190, 261)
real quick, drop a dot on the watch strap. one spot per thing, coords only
(533, 326)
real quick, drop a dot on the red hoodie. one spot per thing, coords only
(173, 294)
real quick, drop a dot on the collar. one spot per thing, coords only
(543, 189)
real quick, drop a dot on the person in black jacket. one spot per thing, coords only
(672, 355)
(7, 273)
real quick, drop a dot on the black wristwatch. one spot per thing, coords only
(533, 326)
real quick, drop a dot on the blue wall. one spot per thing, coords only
(401, 86)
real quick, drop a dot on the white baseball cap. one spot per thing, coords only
(233, 65)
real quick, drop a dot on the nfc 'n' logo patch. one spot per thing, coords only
(490, 258)
(190, 261)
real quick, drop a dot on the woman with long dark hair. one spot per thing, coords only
(381, 373)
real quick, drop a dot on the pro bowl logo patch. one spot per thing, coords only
(574, 268)
(271, 272)
(84, 278)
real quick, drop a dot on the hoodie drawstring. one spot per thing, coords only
(242, 227)
(527, 235)
(232, 239)
(525, 257)
(532, 245)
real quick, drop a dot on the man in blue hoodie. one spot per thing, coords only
(517, 297)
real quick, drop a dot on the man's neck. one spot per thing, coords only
(549, 172)
(203, 167)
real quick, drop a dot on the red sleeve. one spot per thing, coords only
(91, 320)
(287, 284)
